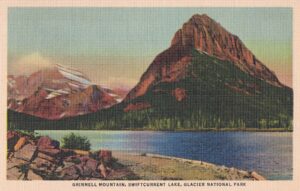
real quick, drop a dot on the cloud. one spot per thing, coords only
(29, 64)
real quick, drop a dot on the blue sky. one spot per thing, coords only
(122, 42)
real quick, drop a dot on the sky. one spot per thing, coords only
(114, 46)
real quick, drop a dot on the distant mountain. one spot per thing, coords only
(58, 92)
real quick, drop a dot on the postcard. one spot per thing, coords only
(152, 95)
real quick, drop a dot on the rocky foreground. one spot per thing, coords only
(41, 158)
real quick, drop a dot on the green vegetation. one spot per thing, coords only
(73, 141)
(219, 96)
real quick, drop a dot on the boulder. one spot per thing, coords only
(105, 155)
(47, 142)
(33, 176)
(27, 153)
(14, 162)
(102, 170)
(92, 164)
(43, 166)
(89, 168)
(70, 173)
(47, 157)
(74, 159)
(68, 164)
(20, 143)
(14, 174)
(50, 151)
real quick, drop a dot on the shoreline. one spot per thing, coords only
(194, 168)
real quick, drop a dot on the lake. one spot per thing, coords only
(269, 153)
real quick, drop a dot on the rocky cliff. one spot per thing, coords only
(205, 35)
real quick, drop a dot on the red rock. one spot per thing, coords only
(204, 34)
(51, 152)
(70, 173)
(92, 164)
(43, 165)
(106, 155)
(47, 142)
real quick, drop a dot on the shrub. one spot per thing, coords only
(73, 141)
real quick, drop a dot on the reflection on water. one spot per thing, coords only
(268, 153)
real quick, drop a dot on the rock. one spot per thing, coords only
(92, 164)
(89, 168)
(70, 173)
(27, 153)
(68, 164)
(81, 152)
(47, 157)
(52, 152)
(14, 174)
(257, 176)
(74, 159)
(33, 176)
(20, 143)
(14, 162)
(102, 170)
(244, 173)
(47, 142)
(12, 139)
(105, 155)
(43, 165)
(89, 173)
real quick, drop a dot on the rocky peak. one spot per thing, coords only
(206, 35)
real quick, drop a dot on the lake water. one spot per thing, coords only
(269, 153)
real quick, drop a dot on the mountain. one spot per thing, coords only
(204, 35)
(207, 78)
(207, 69)
(57, 92)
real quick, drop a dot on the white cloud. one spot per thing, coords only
(29, 64)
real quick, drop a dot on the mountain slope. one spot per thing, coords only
(57, 92)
